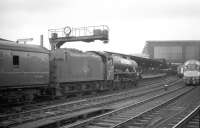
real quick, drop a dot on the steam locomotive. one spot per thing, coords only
(28, 72)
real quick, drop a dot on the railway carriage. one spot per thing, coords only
(191, 72)
(24, 71)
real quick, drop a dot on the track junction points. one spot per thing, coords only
(82, 108)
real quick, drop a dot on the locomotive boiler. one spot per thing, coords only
(125, 69)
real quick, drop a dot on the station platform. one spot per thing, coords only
(149, 76)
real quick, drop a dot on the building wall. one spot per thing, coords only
(168, 52)
(173, 51)
(191, 52)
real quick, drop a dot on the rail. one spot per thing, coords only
(100, 120)
(189, 117)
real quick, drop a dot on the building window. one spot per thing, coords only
(16, 60)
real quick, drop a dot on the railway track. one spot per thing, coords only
(28, 106)
(184, 113)
(121, 117)
(51, 122)
(46, 112)
(192, 120)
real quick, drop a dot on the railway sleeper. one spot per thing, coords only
(103, 124)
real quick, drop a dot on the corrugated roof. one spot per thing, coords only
(173, 42)
(1, 39)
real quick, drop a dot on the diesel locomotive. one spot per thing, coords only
(28, 72)
(191, 72)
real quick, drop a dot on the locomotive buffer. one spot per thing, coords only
(86, 34)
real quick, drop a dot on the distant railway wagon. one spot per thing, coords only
(180, 71)
(23, 68)
(191, 72)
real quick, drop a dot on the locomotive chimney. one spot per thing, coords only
(41, 40)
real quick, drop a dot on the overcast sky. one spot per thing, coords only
(131, 22)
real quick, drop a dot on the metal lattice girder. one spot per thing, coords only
(86, 34)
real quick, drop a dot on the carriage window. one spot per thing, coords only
(15, 60)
